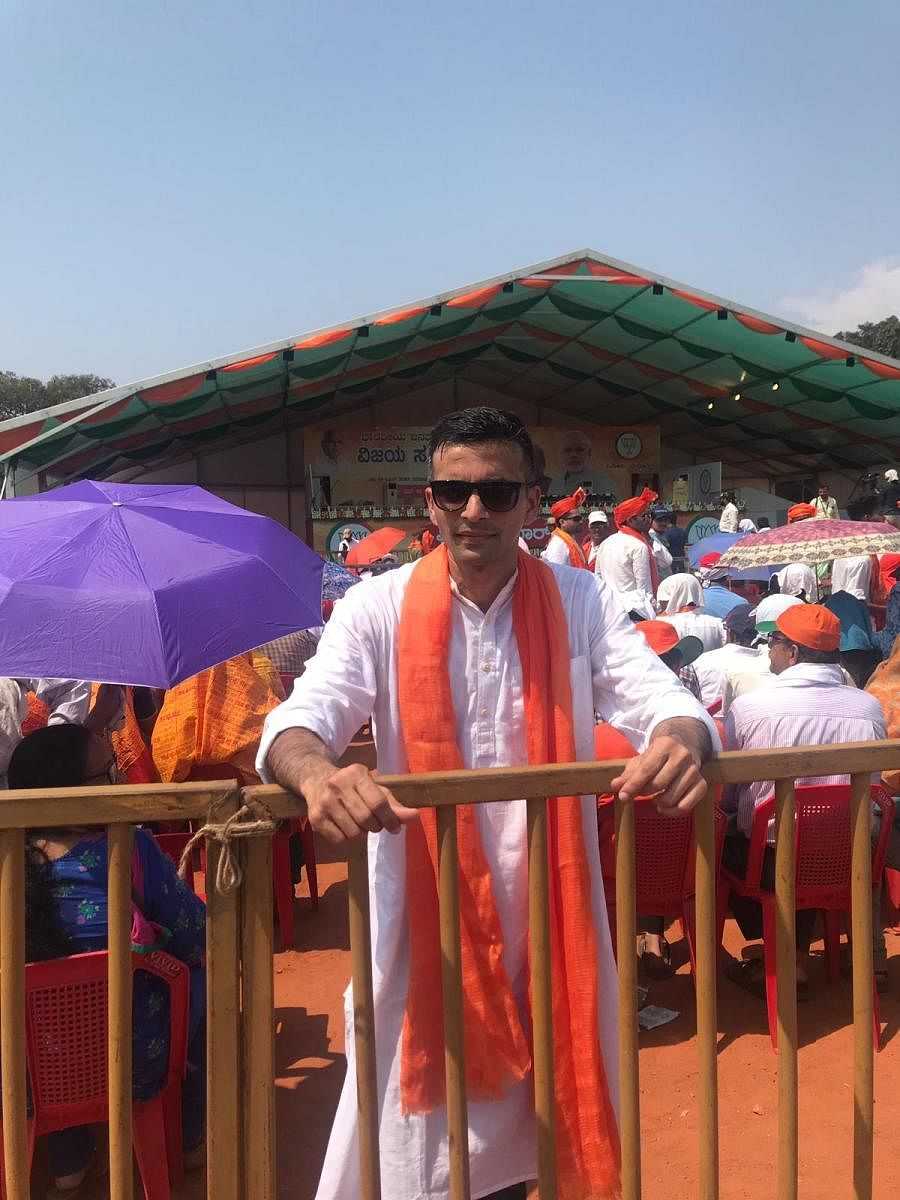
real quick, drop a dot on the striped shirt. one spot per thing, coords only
(806, 705)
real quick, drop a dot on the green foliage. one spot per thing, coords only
(881, 336)
(21, 394)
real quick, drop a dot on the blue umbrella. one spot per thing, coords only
(718, 543)
(336, 580)
(144, 584)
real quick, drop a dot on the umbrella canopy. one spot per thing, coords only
(812, 541)
(144, 584)
(374, 546)
(718, 543)
(336, 580)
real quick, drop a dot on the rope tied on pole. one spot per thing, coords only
(252, 819)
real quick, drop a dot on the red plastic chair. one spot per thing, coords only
(664, 862)
(281, 872)
(172, 846)
(822, 877)
(892, 887)
(66, 1048)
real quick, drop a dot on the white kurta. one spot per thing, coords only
(623, 563)
(556, 551)
(661, 554)
(728, 521)
(353, 675)
(853, 575)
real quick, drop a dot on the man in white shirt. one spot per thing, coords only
(825, 505)
(728, 521)
(564, 546)
(735, 668)
(479, 498)
(625, 561)
(808, 704)
(599, 529)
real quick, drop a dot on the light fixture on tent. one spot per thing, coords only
(775, 386)
(710, 406)
(722, 314)
(435, 310)
(790, 337)
(737, 395)
(657, 289)
(850, 360)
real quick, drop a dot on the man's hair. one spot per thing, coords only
(53, 757)
(819, 657)
(477, 426)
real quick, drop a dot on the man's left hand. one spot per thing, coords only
(669, 769)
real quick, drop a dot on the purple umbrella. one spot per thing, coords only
(144, 584)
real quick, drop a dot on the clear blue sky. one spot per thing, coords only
(182, 180)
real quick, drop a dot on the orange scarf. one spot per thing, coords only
(497, 1050)
(576, 554)
(654, 573)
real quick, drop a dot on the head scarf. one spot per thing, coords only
(800, 512)
(891, 475)
(747, 526)
(680, 592)
(796, 578)
(568, 504)
(635, 506)
(856, 624)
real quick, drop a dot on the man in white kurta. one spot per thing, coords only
(355, 674)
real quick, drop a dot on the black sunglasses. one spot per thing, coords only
(778, 639)
(499, 495)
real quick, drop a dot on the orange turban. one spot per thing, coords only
(800, 512)
(811, 625)
(634, 507)
(709, 560)
(563, 507)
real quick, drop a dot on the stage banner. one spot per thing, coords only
(354, 466)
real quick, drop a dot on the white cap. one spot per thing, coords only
(598, 517)
(770, 608)
(891, 475)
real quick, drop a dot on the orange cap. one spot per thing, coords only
(661, 636)
(810, 625)
(800, 512)
(635, 506)
(568, 504)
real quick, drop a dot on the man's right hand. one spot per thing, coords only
(342, 803)
(347, 802)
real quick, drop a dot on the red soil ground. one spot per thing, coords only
(310, 1068)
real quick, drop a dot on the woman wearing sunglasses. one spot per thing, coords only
(479, 655)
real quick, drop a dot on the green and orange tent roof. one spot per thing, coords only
(583, 336)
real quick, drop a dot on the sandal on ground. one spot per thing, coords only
(655, 966)
(751, 976)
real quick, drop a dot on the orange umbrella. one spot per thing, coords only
(375, 546)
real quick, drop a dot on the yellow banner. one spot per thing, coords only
(353, 465)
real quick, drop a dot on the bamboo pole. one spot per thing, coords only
(626, 934)
(258, 997)
(364, 1019)
(120, 842)
(706, 954)
(786, 967)
(542, 996)
(863, 1000)
(12, 1014)
(223, 1046)
(452, 991)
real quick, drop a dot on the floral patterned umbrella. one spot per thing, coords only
(812, 541)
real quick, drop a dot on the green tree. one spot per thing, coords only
(21, 394)
(881, 336)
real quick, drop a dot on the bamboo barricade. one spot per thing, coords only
(240, 1117)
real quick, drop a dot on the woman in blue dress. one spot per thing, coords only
(66, 913)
